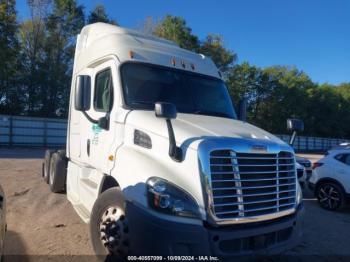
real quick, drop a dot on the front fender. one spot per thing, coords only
(135, 165)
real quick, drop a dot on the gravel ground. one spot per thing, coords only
(43, 223)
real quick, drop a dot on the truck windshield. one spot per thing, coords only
(144, 85)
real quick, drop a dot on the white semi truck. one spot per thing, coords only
(157, 160)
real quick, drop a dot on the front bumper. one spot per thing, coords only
(308, 173)
(151, 235)
(311, 186)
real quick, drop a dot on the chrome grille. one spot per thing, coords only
(249, 185)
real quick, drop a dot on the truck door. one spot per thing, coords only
(76, 149)
(100, 140)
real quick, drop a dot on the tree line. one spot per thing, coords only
(37, 53)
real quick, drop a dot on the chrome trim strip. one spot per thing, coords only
(238, 184)
(247, 173)
(253, 210)
(239, 188)
(255, 202)
(252, 180)
(259, 194)
(272, 165)
(257, 158)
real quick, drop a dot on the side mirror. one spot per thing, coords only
(59, 112)
(295, 125)
(103, 122)
(242, 111)
(82, 94)
(165, 110)
(168, 111)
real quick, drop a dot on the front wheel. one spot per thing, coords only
(330, 196)
(109, 229)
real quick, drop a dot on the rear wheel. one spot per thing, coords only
(109, 227)
(57, 177)
(46, 165)
(330, 196)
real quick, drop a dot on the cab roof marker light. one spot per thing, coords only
(192, 66)
(173, 62)
(131, 54)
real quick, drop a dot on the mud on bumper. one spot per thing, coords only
(151, 235)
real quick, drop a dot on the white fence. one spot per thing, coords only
(49, 132)
(313, 144)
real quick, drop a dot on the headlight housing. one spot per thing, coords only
(167, 198)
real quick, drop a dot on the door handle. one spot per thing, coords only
(88, 147)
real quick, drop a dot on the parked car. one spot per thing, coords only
(3, 225)
(341, 146)
(344, 146)
(330, 179)
(301, 172)
(307, 164)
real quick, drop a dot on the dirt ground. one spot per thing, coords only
(43, 223)
(39, 222)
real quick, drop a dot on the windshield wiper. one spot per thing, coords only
(143, 103)
(211, 113)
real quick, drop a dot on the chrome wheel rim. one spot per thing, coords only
(114, 231)
(329, 197)
(45, 172)
(51, 174)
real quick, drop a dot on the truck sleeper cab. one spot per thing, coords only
(157, 161)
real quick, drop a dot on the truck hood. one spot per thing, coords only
(191, 129)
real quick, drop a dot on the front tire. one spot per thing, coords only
(109, 229)
(330, 196)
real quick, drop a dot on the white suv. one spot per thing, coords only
(330, 179)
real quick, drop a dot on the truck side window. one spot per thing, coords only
(103, 98)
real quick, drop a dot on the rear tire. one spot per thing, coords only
(109, 230)
(46, 165)
(330, 196)
(57, 178)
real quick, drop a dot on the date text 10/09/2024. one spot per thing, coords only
(172, 258)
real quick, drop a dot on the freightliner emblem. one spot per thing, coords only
(259, 148)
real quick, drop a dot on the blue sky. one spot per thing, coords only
(313, 35)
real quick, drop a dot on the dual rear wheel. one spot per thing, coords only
(54, 170)
(109, 228)
(46, 165)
